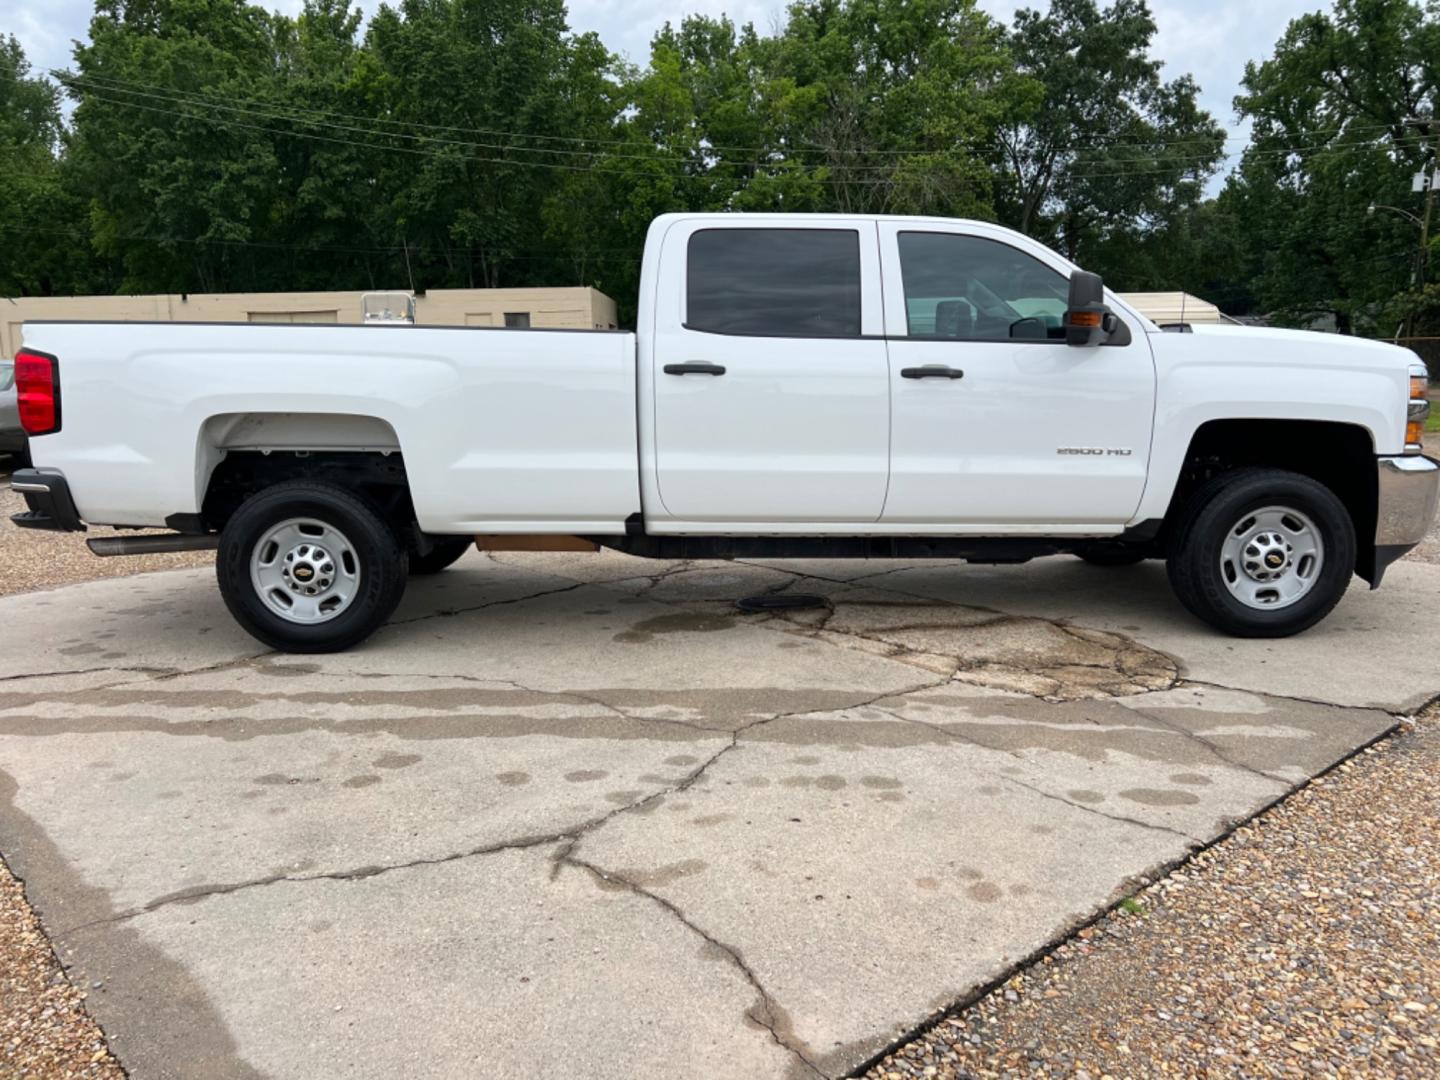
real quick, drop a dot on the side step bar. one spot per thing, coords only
(109, 546)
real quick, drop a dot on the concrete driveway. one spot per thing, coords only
(574, 816)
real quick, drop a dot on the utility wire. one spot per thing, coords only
(771, 168)
(1095, 142)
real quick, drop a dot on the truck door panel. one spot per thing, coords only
(771, 401)
(1033, 431)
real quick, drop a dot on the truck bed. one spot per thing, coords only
(503, 431)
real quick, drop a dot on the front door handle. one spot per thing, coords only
(694, 367)
(931, 371)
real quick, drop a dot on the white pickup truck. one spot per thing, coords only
(798, 386)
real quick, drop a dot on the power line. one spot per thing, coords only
(280, 110)
(834, 174)
(116, 83)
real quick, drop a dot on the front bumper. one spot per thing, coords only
(1409, 491)
(47, 496)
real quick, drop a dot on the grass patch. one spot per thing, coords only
(1132, 906)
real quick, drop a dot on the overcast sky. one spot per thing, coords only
(1211, 39)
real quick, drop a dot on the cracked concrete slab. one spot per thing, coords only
(499, 966)
(206, 781)
(1376, 649)
(876, 865)
(788, 837)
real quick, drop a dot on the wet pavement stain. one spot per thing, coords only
(1160, 797)
(1191, 779)
(396, 761)
(680, 622)
(585, 776)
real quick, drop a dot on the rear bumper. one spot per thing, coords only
(1409, 491)
(47, 496)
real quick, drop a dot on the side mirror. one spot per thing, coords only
(1089, 320)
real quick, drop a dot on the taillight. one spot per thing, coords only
(37, 386)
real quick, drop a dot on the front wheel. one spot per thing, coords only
(309, 568)
(1263, 553)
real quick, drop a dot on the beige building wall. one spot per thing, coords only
(579, 308)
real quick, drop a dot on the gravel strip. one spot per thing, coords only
(35, 559)
(45, 1031)
(1307, 944)
(44, 1028)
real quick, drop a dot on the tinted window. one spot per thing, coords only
(774, 282)
(979, 290)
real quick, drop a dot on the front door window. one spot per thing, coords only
(972, 289)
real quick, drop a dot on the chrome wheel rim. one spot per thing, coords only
(1272, 558)
(305, 571)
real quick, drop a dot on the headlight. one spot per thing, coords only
(1419, 409)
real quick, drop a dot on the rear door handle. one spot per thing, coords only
(931, 371)
(694, 367)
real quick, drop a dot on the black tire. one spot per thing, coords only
(380, 557)
(444, 550)
(1113, 554)
(1194, 565)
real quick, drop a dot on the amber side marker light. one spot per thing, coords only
(1084, 318)
(1419, 409)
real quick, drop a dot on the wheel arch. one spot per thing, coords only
(237, 453)
(1338, 454)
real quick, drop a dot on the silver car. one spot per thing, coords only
(12, 435)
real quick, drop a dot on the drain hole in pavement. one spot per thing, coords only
(780, 602)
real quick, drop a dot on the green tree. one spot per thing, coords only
(42, 252)
(177, 189)
(1330, 112)
(902, 99)
(491, 71)
(1112, 149)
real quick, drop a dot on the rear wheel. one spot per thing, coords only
(1263, 553)
(444, 550)
(309, 568)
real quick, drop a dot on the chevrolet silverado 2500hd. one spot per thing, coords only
(798, 385)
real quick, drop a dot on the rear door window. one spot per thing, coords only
(774, 282)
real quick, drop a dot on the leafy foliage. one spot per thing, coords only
(1111, 150)
(40, 251)
(1332, 136)
(215, 145)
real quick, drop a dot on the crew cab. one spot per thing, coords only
(797, 386)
